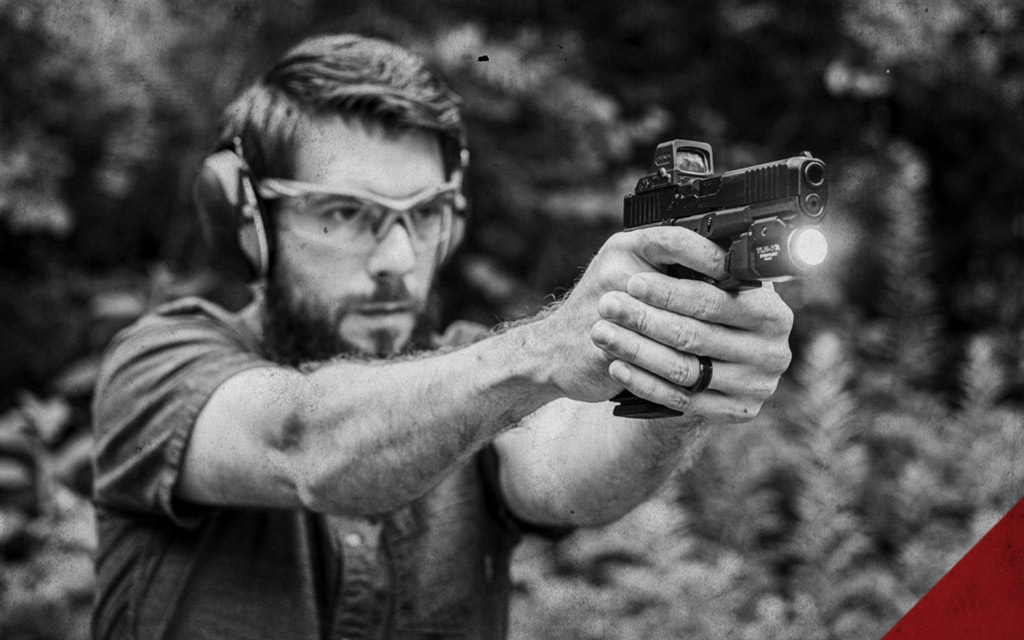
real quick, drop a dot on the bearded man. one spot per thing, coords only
(326, 463)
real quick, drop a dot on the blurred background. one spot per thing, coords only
(894, 440)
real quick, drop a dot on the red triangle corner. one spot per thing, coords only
(982, 596)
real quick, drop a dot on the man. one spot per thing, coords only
(279, 473)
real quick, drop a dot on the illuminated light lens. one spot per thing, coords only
(808, 247)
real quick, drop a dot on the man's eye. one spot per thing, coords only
(341, 213)
(427, 211)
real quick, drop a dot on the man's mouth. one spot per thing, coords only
(384, 308)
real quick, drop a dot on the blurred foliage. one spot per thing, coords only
(892, 444)
(827, 517)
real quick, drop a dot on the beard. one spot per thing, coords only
(298, 331)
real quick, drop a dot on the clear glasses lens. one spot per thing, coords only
(355, 219)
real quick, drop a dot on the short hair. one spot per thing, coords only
(368, 80)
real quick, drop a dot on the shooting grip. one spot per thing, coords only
(761, 215)
(629, 405)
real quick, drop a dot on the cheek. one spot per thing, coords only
(423, 273)
(320, 266)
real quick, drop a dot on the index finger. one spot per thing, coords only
(666, 245)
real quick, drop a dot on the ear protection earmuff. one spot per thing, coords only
(231, 214)
(457, 232)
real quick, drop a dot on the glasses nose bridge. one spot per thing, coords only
(393, 252)
(386, 218)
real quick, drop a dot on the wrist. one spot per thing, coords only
(533, 356)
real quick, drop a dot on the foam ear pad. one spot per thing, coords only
(230, 216)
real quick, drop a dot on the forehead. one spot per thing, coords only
(332, 151)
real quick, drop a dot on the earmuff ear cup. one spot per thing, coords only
(230, 216)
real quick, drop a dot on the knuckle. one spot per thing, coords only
(709, 303)
(649, 242)
(681, 372)
(618, 240)
(684, 338)
(742, 410)
(629, 350)
(642, 320)
(782, 360)
(772, 360)
(671, 298)
(665, 242)
(787, 316)
(762, 388)
(678, 400)
(651, 289)
(609, 305)
(613, 277)
(778, 317)
(714, 257)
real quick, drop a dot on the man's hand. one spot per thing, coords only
(660, 324)
(643, 330)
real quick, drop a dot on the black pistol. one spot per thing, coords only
(765, 217)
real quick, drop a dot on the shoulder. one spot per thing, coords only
(191, 311)
(171, 346)
(188, 320)
(156, 377)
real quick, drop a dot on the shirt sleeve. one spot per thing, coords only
(156, 377)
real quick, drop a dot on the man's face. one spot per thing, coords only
(330, 294)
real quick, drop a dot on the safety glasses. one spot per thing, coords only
(354, 215)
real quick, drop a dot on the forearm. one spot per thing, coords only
(369, 437)
(576, 463)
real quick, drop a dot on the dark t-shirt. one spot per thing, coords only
(437, 568)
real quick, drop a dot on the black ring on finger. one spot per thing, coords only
(703, 375)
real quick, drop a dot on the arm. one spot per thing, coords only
(578, 464)
(353, 437)
(575, 463)
(365, 438)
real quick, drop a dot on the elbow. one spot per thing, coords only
(549, 504)
(338, 458)
(311, 467)
(585, 511)
(328, 468)
(292, 464)
(599, 517)
(313, 486)
(331, 495)
(299, 454)
(582, 507)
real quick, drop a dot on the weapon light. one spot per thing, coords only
(808, 247)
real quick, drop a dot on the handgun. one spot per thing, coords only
(766, 217)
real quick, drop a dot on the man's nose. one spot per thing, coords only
(394, 254)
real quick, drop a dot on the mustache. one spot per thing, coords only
(298, 330)
(385, 292)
